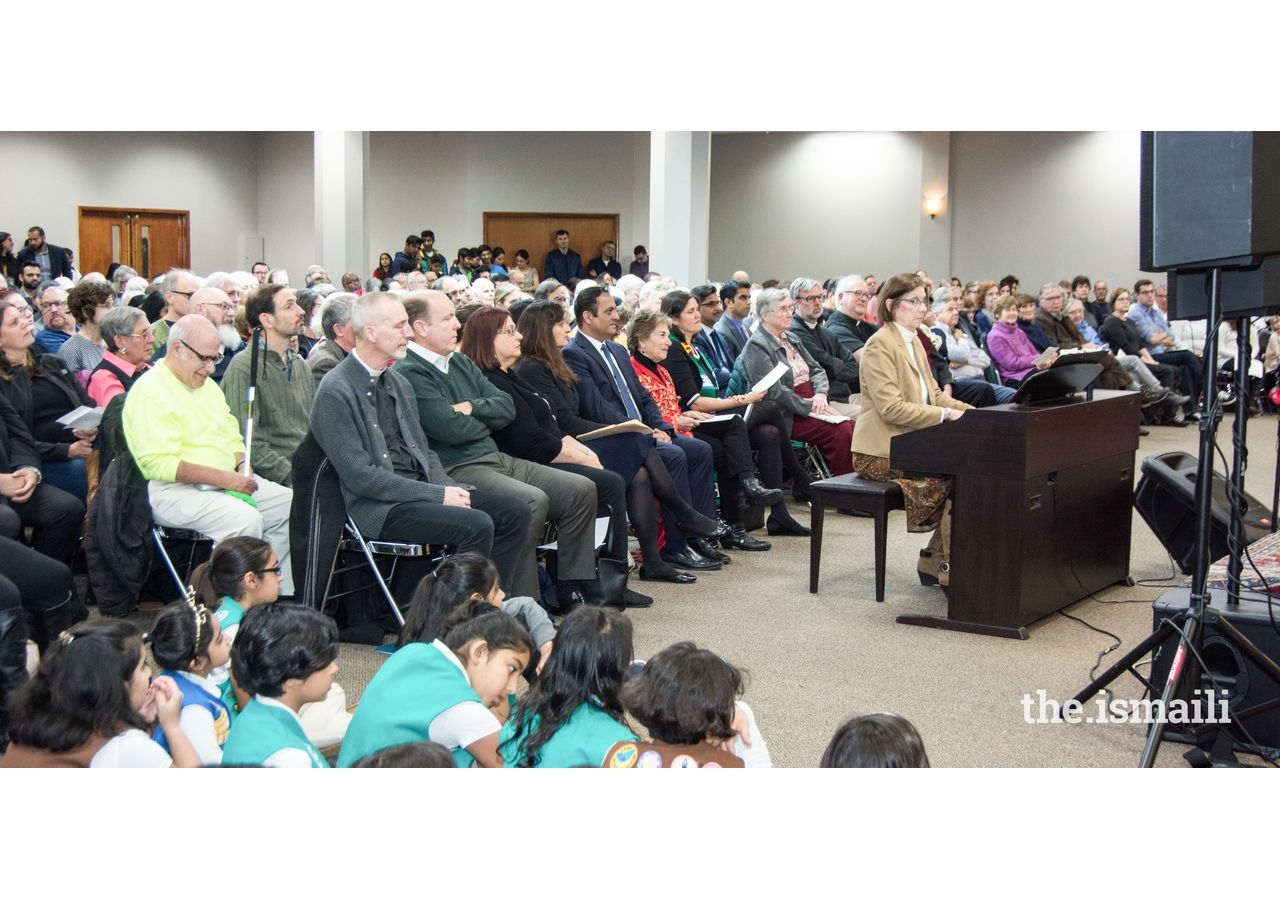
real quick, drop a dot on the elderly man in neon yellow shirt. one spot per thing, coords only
(188, 446)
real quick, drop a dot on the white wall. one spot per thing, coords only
(446, 181)
(214, 176)
(286, 202)
(1046, 206)
(816, 204)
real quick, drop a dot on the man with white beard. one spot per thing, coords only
(216, 306)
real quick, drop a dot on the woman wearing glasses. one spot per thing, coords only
(128, 337)
(41, 388)
(899, 394)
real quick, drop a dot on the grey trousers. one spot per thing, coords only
(566, 499)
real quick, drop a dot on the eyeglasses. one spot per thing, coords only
(52, 304)
(916, 301)
(204, 359)
(186, 294)
(810, 299)
(860, 295)
(148, 335)
(277, 570)
(711, 302)
(509, 331)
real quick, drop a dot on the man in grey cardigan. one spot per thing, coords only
(365, 419)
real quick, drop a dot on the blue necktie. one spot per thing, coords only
(627, 400)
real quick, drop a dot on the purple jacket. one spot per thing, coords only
(1011, 351)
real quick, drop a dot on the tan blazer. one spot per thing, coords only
(891, 391)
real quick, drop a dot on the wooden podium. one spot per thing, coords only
(1041, 509)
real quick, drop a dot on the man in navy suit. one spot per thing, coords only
(608, 391)
(710, 343)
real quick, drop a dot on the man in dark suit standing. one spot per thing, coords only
(562, 264)
(609, 391)
(606, 263)
(53, 261)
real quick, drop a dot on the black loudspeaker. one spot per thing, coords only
(1252, 291)
(1166, 500)
(1209, 198)
(1246, 685)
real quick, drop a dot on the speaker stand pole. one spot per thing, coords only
(1239, 462)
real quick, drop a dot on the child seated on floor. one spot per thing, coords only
(687, 699)
(877, 741)
(92, 703)
(241, 574)
(285, 655)
(188, 643)
(444, 691)
(471, 576)
(571, 715)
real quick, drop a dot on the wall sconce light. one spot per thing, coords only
(933, 206)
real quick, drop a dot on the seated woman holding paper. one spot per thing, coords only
(650, 345)
(1010, 349)
(42, 389)
(900, 394)
(801, 392)
(632, 455)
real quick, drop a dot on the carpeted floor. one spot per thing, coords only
(815, 660)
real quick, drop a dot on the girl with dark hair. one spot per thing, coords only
(444, 691)
(572, 716)
(243, 572)
(471, 576)
(633, 456)
(188, 643)
(687, 697)
(9, 269)
(877, 741)
(384, 271)
(522, 274)
(92, 702)
(286, 656)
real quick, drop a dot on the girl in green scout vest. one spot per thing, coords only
(188, 643)
(444, 691)
(285, 655)
(471, 576)
(242, 573)
(571, 716)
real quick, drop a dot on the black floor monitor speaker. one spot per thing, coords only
(1208, 198)
(1166, 500)
(1247, 686)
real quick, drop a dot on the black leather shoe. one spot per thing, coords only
(705, 548)
(690, 560)
(740, 540)
(788, 527)
(636, 600)
(665, 573)
(755, 492)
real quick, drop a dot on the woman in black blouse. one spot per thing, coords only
(633, 456)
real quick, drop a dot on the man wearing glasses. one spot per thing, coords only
(216, 306)
(58, 325)
(179, 286)
(824, 346)
(188, 446)
(848, 320)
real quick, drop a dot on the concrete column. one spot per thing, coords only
(680, 204)
(341, 171)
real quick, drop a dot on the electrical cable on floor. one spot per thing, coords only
(1098, 662)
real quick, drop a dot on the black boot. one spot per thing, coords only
(47, 625)
(13, 664)
(755, 492)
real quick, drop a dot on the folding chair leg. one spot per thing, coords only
(377, 573)
(164, 554)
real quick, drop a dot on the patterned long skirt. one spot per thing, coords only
(923, 496)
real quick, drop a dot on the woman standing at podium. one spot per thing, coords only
(899, 394)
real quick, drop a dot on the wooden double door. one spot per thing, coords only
(536, 232)
(152, 241)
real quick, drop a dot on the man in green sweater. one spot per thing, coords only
(285, 385)
(458, 409)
